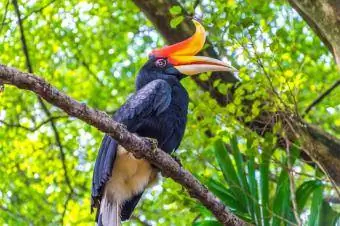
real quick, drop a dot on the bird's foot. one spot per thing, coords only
(153, 142)
(123, 126)
(177, 160)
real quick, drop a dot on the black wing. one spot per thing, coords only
(128, 207)
(151, 100)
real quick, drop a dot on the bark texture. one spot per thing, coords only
(139, 146)
(323, 16)
(325, 154)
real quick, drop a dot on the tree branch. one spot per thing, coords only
(323, 17)
(321, 97)
(137, 219)
(5, 15)
(137, 145)
(35, 128)
(38, 10)
(16, 216)
(43, 105)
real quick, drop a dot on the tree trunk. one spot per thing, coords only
(323, 16)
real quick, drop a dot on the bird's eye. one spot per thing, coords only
(161, 63)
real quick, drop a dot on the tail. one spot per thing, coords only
(109, 213)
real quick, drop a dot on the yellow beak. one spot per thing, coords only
(182, 55)
(192, 65)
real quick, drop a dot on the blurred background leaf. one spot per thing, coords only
(92, 50)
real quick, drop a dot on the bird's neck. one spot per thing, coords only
(171, 80)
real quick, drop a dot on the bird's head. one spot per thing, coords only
(179, 60)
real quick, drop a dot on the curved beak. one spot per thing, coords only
(192, 65)
(182, 55)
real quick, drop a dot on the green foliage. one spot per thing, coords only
(176, 21)
(92, 50)
(246, 191)
(175, 10)
(304, 190)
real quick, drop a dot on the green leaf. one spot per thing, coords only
(226, 196)
(241, 174)
(264, 184)
(229, 172)
(281, 199)
(226, 165)
(328, 216)
(316, 206)
(175, 10)
(176, 21)
(253, 186)
(304, 191)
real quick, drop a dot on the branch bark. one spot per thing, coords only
(137, 145)
(324, 154)
(35, 128)
(323, 16)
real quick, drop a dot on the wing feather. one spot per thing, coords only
(153, 99)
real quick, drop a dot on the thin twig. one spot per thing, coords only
(35, 128)
(41, 102)
(260, 63)
(15, 216)
(89, 70)
(196, 3)
(60, 146)
(142, 222)
(5, 15)
(333, 199)
(68, 199)
(23, 37)
(321, 97)
(196, 218)
(319, 164)
(292, 183)
(38, 10)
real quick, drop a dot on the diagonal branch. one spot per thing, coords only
(43, 105)
(15, 216)
(137, 219)
(321, 97)
(35, 128)
(323, 17)
(137, 145)
(5, 15)
(38, 10)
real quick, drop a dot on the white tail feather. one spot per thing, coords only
(109, 212)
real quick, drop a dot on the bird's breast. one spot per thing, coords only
(130, 176)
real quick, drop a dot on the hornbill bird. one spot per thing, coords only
(158, 109)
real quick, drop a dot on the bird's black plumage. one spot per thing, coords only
(158, 110)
